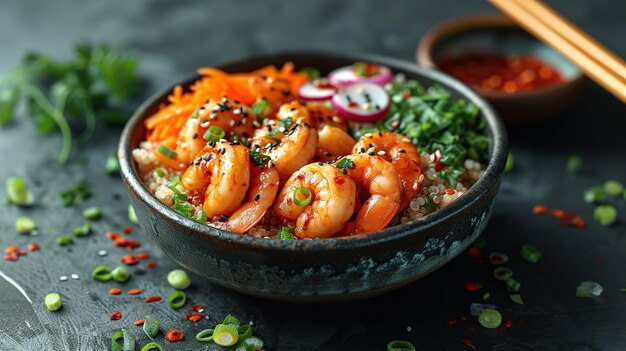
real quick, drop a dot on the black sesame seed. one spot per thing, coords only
(371, 153)
(401, 151)
(328, 154)
(286, 92)
(195, 135)
(321, 163)
(257, 197)
(292, 109)
(363, 150)
(380, 134)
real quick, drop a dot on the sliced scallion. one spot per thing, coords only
(512, 285)
(25, 225)
(231, 320)
(510, 163)
(127, 338)
(151, 326)
(594, 194)
(53, 301)
(530, 253)
(516, 298)
(166, 151)
(400, 345)
(261, 109)
(151, 346)
(17, 192)
(502, 273)
(82, 230)
(225, 335)
(112, 165)
(245, 331)
(160, 172)
(120, 274)
(250, 344)
(284, 234)
(606, 215)
(613, 187)
(205, 335)
(302, 196)
(101, 273)
(64, 240)
(490, 319)
(92, 213)
(574, 163)
(132, 215)
(178, 279)
(214, 133)
(177, 299)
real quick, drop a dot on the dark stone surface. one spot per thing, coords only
(172, 40)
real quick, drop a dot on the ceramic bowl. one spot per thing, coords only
(496, 34)
(320, 270)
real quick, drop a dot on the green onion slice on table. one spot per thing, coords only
(127, 338)
(400, 345)
(151, 326)
(177, 299)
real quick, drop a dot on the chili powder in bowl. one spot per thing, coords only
(524, 79)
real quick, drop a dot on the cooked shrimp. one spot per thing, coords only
(378, 177)
(275, 91)
(223, 172)
(399, 150)
(322, 116)
(289, 149)
(334, 140)
(229, 115)
(261, 194)
(332, 201)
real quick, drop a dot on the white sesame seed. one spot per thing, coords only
(361, 91)
(368, 135)
(336, 119)
(63, 278)
(102, 253)
(251, 323)
(408, 328)
(74, 276)
(381, 153)
(366, 106)
(231, 123)
(236, 111)
(406, 140)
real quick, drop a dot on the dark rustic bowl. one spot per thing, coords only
(324, 270)
(497, 34)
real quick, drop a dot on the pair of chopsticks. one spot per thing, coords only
(598, 62)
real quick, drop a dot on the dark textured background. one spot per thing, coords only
(172, 39)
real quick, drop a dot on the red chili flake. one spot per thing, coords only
(112, 235)
(560, 214)
(352, 104)
(506, 325)
(174, 335)
(197, 308)
(151, 265)
(33, 246)
(139, 322)
(339, 180)
(451, 322)
(127, 243)
(578, 221)
(472, 286)
(134, 292)
(194, 317)
(439, 166)
(406, 94)
(468, 343)
(475, 252)
(153, 298)
(21, 252)
(450, 191)
(116, 315)
(128, 230)
(11, 250)
(142, 256)
(540, 209)
(115, 291)
(11, 257)
(129, 260)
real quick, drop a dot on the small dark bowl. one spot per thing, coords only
(496, 34)
(324, 270)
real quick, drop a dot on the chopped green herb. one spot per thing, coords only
(92, 213)
(510, 163)
(120, 274)
(178, 279)
(345, 163)
(25, 225)
(606, 215)
(311, 73)
(53, 301)
(200, 216)
(574, 163)
(205, 335)
(502, 273)
(261, 109)
(64, 240)
(252, 343)
(231, 320)
(245, 331)
(512, 285)
(486, 296)
(400, 345)
(225, 335)
(613, 187)
(17, 192)
(82, 230)
(152, 346)
(151, 326)
(159, 172)
(516, 298)
(132, 215)
(259, 158)
(177, 299)
(101, 273)
(490, 319)
(594, 194)
(127, 338)
(284, 234)
(530, 253)
(195, 114)
(214, 133)
(112, 165)
(166, 151)
(283, 124)
(589, 289)
(75, 194)
(9, 96)
(302, 196)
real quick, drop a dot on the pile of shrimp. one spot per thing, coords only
(260, 168)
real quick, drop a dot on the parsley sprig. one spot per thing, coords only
(92, 85)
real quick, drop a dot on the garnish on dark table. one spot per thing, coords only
(90, 86)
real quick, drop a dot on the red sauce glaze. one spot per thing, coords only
(340, 180)
(508, 74)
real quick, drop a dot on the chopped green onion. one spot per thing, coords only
(486, 296)
(297, 196)
(516, 298)
(400, 345)
(175, 184)
(258, 158)
(606, 215)
(589, 289)
(490, 319)
(25, 225)
(195, 114)
(200, 216)
(311, 73)
(178, 279)
(177, 299)
(17, 192)
(613, 187)
(245, 331)
(530, 253)
(112, 165)
(284, 234)
(502, 273)
(53, 301)
(498, 258)
(64, 240)
(120, 274)
(152, 346)
(205, 335)
(166, 151)
(151, 326)
(101, 273)
(512, 285)
(82, 230)
(214, 133)
(160, 172)
(574, 163)
(510, 163)
(262, 109)
(231, 320)
(128, 341)
(92, 213)
(77, 193)
(132, 215)
(225, 335)
(623, 290)
(250, 344)
(345, 163)
(594, 194)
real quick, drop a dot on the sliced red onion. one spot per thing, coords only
(316, 92)
(345, 76)
(362, 102)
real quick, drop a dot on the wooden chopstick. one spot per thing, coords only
(538, 24)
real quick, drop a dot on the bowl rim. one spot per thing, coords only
(488, 180)
(454, 26)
